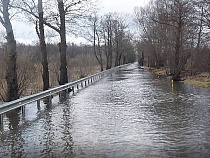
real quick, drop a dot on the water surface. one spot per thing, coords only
(130, 114)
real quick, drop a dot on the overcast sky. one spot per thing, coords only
(26, 33)
(126, 6)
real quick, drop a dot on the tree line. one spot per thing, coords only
(175, 35)
(111, 40)
(110, 37)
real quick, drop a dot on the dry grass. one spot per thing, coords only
(201, 80)
(159, 72)
(31, 73)
(82, 66)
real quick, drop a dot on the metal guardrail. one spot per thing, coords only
(38, 96)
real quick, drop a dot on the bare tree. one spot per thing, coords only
(110, 37)
(69, 12)
(121, 37)
(34, 13)
(107, 34)
(168, 27)
(41, 35)
(94, 36)
(62, 45)
(11, 73)
(66, 13)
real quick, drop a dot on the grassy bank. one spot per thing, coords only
(201, 80)
(159, 72)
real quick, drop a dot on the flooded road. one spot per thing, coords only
(130, 114)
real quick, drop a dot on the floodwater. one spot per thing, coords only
(130, 114)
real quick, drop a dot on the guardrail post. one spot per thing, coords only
(85, 83)
(50, 99)
(1, 121)
(23, 110)
(38, 104)
(82, 84)
(72, 89)
(77, 87)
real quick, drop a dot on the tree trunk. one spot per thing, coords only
(11, 74)
(110, 49)
(62, 45)
(106, 51)
(45, 73)
(120, 59)
(177, 68)
(117, 54)
(99, 56)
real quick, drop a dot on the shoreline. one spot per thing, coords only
(201, 80)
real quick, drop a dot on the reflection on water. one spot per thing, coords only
(131, 113)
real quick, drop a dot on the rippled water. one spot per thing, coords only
(130, 114)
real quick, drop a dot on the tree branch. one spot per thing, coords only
(2, 21)
(30, 11)
(37, 29)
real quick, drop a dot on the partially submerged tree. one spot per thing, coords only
(11, 72)
(168, 30)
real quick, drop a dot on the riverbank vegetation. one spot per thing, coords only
(175, 37)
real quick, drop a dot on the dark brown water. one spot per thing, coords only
(130, 114)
